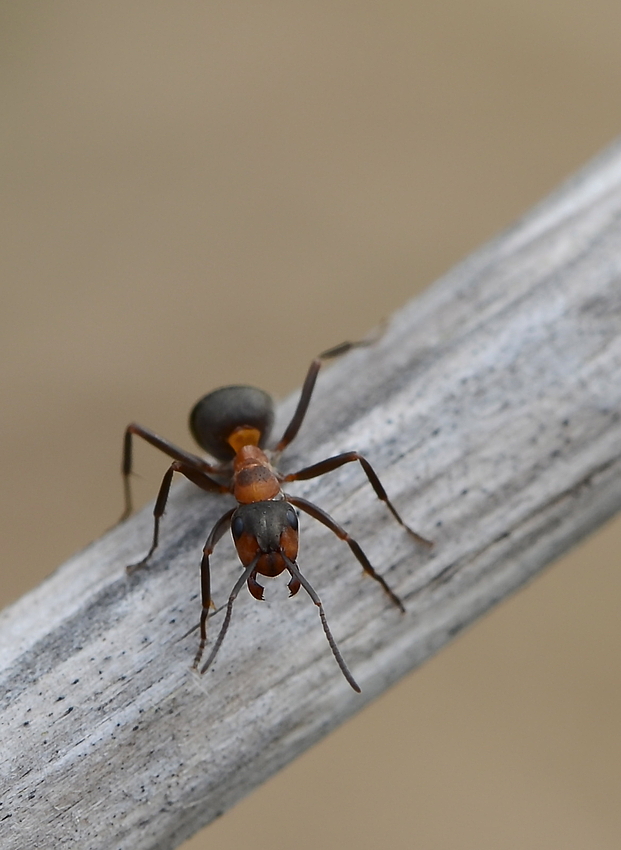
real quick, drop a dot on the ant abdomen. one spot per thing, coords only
(215, 416)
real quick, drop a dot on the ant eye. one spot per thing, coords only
(292, 518)
(237, 527)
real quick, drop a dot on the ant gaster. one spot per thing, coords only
(233, 424)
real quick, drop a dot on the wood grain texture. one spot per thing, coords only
(491, 411)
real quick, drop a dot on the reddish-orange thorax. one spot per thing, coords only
(254, 480)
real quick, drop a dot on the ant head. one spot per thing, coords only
(217, 415)
(263, 528)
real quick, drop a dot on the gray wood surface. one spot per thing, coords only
(491, 410)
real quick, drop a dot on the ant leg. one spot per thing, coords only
(229, 610)
(307, 390)
(164, 446)
(320, 515)
(332, 463)
(298, 577)
(214, 535)
(199, 478)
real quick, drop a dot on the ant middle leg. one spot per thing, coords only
(163, 445)
(196, 477)
(335, 462)
(317, 513)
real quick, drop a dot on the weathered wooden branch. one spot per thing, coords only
(491, 409)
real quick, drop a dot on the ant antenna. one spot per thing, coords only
(295, 572)
(229, 610)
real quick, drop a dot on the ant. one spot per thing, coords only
(233, 424)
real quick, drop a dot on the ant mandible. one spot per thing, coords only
(233, 424)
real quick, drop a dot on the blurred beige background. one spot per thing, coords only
(199, 193)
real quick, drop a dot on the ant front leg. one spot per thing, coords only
(164, 446)
(309, 385)
(196, 477)
(317, 513)
(214, 535)
(335, 462)
(241, 581)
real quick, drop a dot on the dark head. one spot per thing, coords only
(218, 414)
(268, 527)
